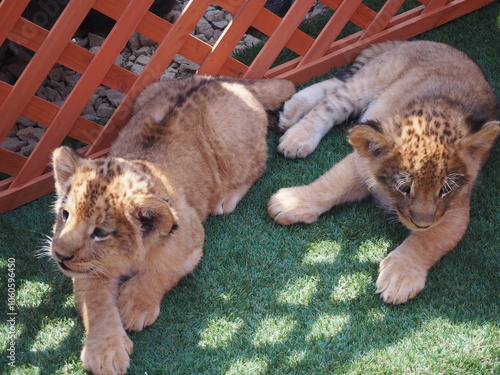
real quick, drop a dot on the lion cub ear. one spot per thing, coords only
(64, 161)
(153, 215)
(368, 141)
(478, 144)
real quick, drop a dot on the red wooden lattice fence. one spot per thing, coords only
(28, 177)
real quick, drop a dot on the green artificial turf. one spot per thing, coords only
(268, 299)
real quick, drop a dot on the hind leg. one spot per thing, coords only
(305, 100)
(313, 120)
(228, 203)
(302, 139)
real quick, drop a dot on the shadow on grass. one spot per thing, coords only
(267, 298)
(300, 299)
(286, 300)
(47, 324)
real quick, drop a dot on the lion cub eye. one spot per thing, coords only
(403, 183)
(64, 215)
(450, 182)
(99, 234)
(404, 189)
(445, 190)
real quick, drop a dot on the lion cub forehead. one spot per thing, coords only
(427, 140)
(433, 127)
(108, 183)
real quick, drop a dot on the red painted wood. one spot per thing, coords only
(31, 177)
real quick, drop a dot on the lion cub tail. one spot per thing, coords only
(367, 54)
(271, 93)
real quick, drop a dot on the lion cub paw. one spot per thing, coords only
(287, 206)
(107, 355)
(137, 308)
(293, 110)
(399, 278)
(298, 142)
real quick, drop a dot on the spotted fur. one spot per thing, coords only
(427, 122)
(129, 225)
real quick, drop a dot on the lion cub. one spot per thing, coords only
(428, 120)
(129, 225)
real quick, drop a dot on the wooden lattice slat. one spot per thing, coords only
(165, 53)
(74, 57)
(402, 26)
(267, 22)
(231, 36)
(41, 64)
(30, 177)
(278, 39)
(44, 112)
(10, 162)
(383, 18)
(86, 86)
(331, 31)
(434, 4)
(361, 17)
(11, 11)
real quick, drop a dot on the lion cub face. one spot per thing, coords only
(424, 168)
(107, 215)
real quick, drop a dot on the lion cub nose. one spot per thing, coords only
(422, 221)
(63, 257)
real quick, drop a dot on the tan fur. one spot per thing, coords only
(428, 120)
(129, 225)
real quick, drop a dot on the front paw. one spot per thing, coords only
(287, 206)
(400, 279)
(137, 308)
(298, 142)
(107, 355)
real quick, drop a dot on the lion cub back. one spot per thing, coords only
(206, 134)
